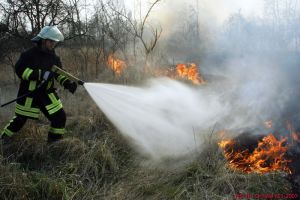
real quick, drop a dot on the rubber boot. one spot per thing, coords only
(54, 138)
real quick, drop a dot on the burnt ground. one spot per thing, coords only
(294, 178)
(248, 140)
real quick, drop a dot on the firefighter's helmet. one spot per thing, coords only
(50, 33)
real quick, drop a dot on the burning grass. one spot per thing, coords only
(268, 156)
(182, 71)
(117, 65)
(189, 72)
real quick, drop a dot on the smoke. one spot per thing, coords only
(166, 118)
(209, 12)
(246, 49)
(252, 73)
(254, 89)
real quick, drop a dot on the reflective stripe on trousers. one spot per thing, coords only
(55, 106)
(27, 110)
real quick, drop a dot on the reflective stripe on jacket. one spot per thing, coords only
(30, 68)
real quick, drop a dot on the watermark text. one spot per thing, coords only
(266, 196)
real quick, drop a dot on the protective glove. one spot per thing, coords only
(71, 86)
(47, 75)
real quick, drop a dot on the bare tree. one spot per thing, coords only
(138, 28)
(110, 32)
(284, 18)
(25, 18)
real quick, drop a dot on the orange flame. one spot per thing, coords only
(268, 156)
(116, 65)
(187, 71)
(190, 72)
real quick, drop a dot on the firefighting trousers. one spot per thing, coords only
(57, 126)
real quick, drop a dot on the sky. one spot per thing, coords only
(217, 10)
(168, 12)
(247, 7)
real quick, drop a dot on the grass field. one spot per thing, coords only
(94, 161)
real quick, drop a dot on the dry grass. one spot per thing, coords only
(98, 164)
(70, 169)
(207, 177)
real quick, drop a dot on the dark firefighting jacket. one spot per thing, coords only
(30, 69)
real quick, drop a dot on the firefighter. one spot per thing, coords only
(34, 70)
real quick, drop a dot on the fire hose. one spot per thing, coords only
(54, 69)
(60, 71)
